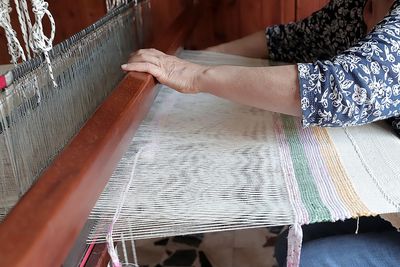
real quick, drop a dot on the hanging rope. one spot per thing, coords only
(14, 47)
(111, 4)
(25, 22)
(38, 41)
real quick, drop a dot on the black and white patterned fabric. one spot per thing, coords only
(347, 77)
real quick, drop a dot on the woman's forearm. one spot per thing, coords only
(254, 45)
(270, 88)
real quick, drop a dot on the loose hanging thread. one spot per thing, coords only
(25, 23)
(358, 226)
(110, 242)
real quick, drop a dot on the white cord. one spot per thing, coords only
(14, 47)
(38, 41)
(358, 226)
(25, 22)
(111, 4)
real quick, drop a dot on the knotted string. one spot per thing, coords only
(38, 41)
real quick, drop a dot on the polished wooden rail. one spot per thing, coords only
(42, 227)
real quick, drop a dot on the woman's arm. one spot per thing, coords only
(254, 45)
(322, 35)
(358, 86)
(270, 88)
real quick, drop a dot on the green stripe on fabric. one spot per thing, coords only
(309, 192)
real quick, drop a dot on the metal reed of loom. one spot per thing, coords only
(38, 121)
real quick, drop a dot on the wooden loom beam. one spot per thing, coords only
(41, 229)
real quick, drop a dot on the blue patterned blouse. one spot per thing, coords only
(350, 78)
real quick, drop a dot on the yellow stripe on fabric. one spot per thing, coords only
(339, 175)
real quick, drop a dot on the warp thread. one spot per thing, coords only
(36, 121)
(295, 239)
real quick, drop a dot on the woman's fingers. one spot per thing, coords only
(151, 51)
(149, 58)
(169, 70)
(143, 67)
(145, 58)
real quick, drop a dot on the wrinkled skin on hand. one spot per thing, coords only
(168, 70)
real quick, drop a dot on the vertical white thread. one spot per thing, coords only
(358, 225)
(135, 260)
(134, 254)
(124, 251)
(108, 5)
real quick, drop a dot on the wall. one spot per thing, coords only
(220, 20)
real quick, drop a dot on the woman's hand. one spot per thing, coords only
(169, 70)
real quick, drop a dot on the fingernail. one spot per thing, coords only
(124, 66)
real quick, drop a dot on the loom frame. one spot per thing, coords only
(42, 228)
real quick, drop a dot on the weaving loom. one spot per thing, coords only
(196, 163)
(49, 217)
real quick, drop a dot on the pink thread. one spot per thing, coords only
(87, 255)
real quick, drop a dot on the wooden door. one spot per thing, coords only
(226, 20)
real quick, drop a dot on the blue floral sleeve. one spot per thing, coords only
(322, 35)
(358, 86)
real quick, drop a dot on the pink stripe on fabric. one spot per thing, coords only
(320, 173)
(288, 171)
